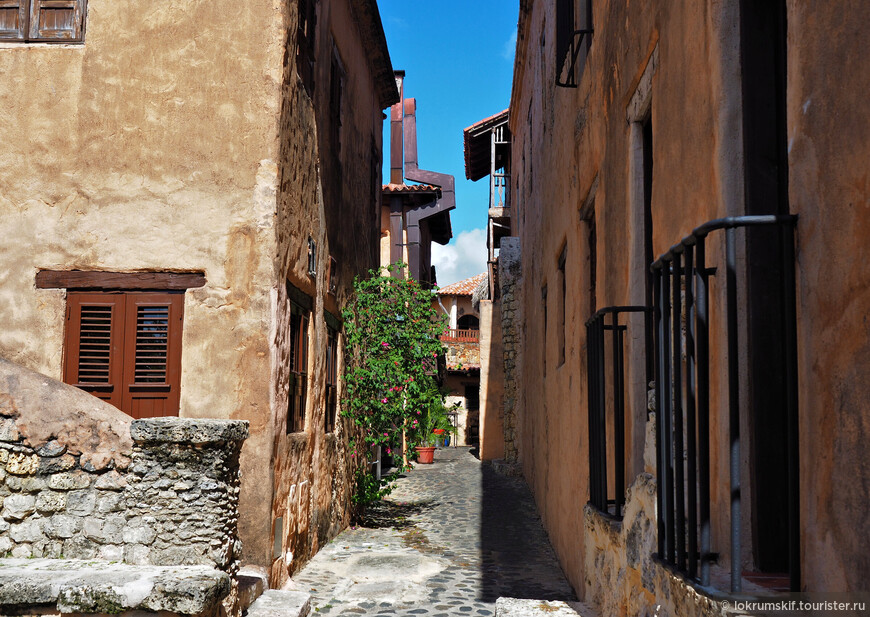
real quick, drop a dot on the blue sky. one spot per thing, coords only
(458, 58)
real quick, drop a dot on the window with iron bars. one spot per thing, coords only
(573, 39)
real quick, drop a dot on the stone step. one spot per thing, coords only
(252, 584)
(517, 607)
(83, 586)
(277, 603)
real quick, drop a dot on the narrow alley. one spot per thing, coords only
(451, 539)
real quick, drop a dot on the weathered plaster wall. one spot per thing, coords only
(565, 142)
(153, 146)
(491, 430)
(327, 195)
(829, 144)
(571, 156)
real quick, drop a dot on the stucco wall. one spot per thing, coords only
(829, 189)
(153, 146)
(573, 145)
(491, 430)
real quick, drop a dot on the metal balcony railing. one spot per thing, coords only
(600, 440)
(683, 360)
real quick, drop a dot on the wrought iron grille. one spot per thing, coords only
(571, 41)
(600, 442)
(682, 309)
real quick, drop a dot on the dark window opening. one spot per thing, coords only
(307, 20)
(544, 329)
(333, 276)
(573, 40)
(647, 137)
(331, 379)
(336, 94)
(563, 305)
(468, 322)
(298, 387)
(312, 257)
(763, 48)
(125, 348)
(42, 21)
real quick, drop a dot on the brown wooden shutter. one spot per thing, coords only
(53, 20)
(152, 354)
(94, 344)
(13, 20)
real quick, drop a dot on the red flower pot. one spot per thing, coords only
(425, 455)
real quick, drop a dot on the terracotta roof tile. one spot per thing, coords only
(411, 188)
(463, 288)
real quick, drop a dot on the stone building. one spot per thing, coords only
(186, 196)
(462, 340)
(689, 222)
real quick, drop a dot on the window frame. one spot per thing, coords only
(297, 387)
(330, 408)
(123, 389)
(29, 14)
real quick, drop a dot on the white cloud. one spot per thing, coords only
(463, 258)
(510, 47)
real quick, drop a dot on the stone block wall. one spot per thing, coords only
(172, 500)
(510, 278)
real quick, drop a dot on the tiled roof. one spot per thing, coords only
(463, 288)
(401, 189)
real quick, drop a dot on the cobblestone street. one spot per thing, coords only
(451, 539)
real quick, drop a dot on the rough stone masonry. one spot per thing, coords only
(172, 501)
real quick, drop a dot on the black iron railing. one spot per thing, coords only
(682, 342)
(600, 440)
(570, 41)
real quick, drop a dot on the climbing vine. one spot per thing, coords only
(392, 342)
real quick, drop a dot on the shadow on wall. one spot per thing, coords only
(517, 560)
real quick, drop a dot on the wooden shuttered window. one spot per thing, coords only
(125, 348)
(298, 387)
(13, 19)
(42, 20)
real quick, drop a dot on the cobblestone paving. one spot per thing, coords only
(451, 539)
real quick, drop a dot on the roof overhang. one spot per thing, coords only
(478, 145)
(374, 40)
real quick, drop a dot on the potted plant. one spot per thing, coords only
(432, 425)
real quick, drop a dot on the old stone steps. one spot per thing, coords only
(277, 603)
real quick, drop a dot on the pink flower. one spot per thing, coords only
(389, 451)
(384, 400)
(386, 435)
(385, 344)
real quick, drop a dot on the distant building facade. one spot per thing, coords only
(688, 215)
(462, 340)
(186, 200)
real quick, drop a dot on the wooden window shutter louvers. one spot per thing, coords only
(13, 20)
(94, 340)
(56, 20)
(152, 354)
